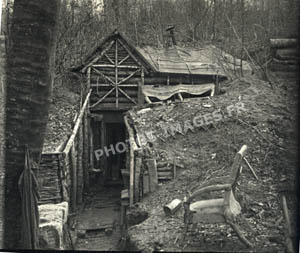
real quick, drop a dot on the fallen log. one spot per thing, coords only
(283, 43)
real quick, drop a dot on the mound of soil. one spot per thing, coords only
(63, 108)
(267, 126)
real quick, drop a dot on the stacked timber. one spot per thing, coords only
(166, 171)
(49, 177)
(285, 54)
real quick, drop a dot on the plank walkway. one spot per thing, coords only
(99, 221)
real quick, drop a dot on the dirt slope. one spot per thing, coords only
(63, 108)
(266, 126)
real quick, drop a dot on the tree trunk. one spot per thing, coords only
(29, 82)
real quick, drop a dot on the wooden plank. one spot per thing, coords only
(77, 124)
(152, 170)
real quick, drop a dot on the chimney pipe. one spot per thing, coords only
(170, 29)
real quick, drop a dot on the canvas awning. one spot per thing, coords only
(165, 92)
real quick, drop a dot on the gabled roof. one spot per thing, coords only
(173, 60)
(181, 60)
(102, 46)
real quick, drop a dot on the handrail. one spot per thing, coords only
(77, 124)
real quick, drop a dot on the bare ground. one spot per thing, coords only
(267, 127)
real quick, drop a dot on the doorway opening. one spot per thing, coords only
(109, 134)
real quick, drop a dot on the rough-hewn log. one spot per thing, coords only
(152, 170)
(132, 148)
(79, 166)
(85, 151)
(73, 177)
(137, 175)
(151, 80)
(283, 43)
(77, 124)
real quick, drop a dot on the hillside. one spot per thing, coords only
(267, 126)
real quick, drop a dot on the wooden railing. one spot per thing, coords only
(69, 163)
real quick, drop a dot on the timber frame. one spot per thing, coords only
(115, 74)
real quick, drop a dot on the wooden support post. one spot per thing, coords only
(132, 148)
(148, 100)
(180, 97)
(152, 170)
(116, 74)
(86, 151)
(73, 177)
(140, 88)
(79, 165)
(91, 144)
(137, 175)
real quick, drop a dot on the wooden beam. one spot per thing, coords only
(148, 100)
(113, 66)
(77, 125)
(99, 57)
(116, 75)
(180, 96)
(128, 77)
(124, 59)
(73, 178)
(108, 85)
(104, 76)
(128, 51)
(132, 148)
(80, 166)
(108, 58)
(152, 170)
(125, 94)
(85, 151)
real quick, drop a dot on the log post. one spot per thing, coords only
(86, 151)
(79, 165)
(132, 148)
(152, 170)
(137, 175)
(73, 177)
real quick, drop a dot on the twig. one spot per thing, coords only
(247, 124)
(250, 167)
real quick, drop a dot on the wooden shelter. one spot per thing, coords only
(122, 76)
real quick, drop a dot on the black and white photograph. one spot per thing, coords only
(149, 125)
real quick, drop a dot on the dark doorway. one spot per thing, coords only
(115, 155)
(109, 133)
